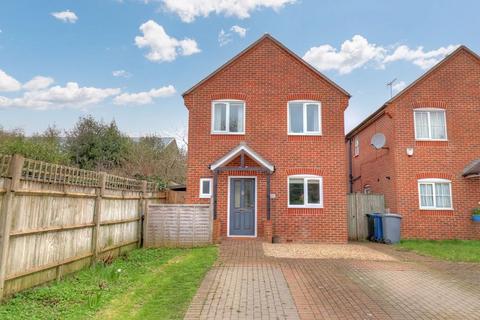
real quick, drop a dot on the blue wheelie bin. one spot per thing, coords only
(377, 227)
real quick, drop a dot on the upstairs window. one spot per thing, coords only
(304, 118)
(228, 117)
(430, 124)
(435, 194)
(356, 152)
(305, 191)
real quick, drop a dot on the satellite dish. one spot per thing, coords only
(378, 140)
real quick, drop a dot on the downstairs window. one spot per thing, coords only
(305, 191)
(435, 194)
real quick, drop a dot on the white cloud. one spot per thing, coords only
(358, 52)
(57, 97)
(353, 54)
(188, 47)
(163, 47)
(66, 16)
(121, 74)
(8, 83)
(398, 86)
(242, 32)
(189, 10)
(419, 57)
(38, 83)
(145, 97)
(224, 38)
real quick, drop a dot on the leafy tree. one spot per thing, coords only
(46, 146)
(95, 145)
(152, 160)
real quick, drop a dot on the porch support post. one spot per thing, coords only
(214, 194)
(242, 160)
(268, 196)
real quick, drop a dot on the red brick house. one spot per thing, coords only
(429, 167)
(266, 146)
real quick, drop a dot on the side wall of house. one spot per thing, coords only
(454, 87)
(266, 78)
(372, 167)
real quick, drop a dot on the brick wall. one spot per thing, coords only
(455, 87)
(373, 167)
(266, 77)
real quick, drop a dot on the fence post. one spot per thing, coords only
(6, 213)
(97, 214)
(142, 205)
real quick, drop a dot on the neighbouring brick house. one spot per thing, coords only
(266, 146)
(429, 168)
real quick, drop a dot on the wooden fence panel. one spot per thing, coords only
(352, 217)
(177, 197)
(55, 220)
(119, 222)
(178, 225)
(359, 205)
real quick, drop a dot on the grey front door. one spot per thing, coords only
(242, 207)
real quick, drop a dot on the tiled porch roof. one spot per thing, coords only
(238, 150)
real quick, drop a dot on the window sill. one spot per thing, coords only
(305, 134)
(436, 209)
(419, 139)
(228, 133)
(205, 196)
(306, 207)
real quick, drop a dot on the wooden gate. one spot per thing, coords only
(359, 205)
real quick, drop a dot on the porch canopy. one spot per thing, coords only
(242, 150)
(472, 170)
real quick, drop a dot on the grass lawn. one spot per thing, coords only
(452, 250)
(144, 284)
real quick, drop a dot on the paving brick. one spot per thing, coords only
(245, 284)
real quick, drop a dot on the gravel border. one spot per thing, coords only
(325, 251)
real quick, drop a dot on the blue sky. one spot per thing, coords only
(160, 48)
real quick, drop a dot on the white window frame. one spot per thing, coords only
(356, 147)
(429, 110)
(305, 132)
(205, 195)
(433, 182)
(305, 178)
(227, 120)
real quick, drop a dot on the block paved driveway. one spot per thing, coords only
(245, 284)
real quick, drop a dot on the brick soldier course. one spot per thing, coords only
(244, 284)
